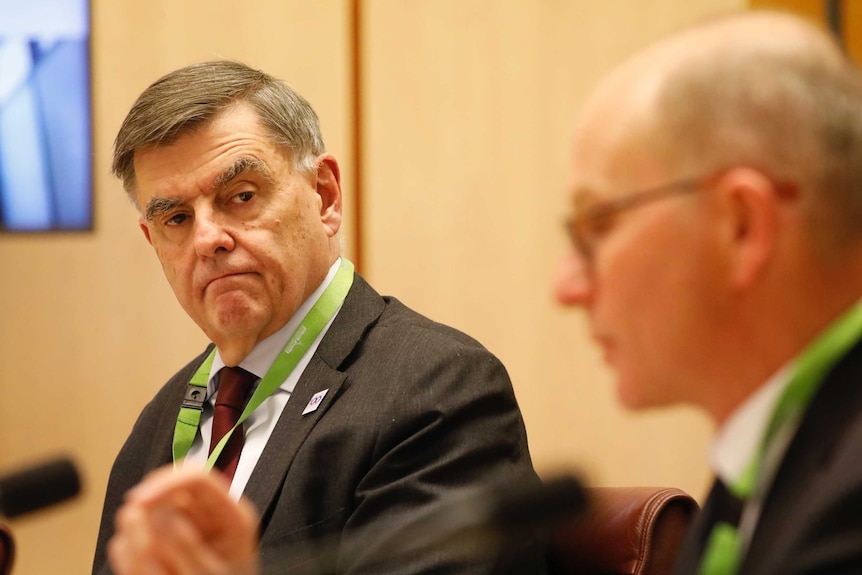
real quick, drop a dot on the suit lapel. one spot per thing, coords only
(291, 431)
(361, 309)
(809, 456)
(831, 412)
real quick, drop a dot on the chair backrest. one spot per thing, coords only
(626, 531)
(7, 550)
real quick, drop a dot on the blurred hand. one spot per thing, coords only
(184, 523)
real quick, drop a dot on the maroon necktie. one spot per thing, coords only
(234, 386)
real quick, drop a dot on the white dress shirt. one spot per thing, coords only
(739, 439)
(260, 424)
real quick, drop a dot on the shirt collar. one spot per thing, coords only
(739, 438)
(264, 353)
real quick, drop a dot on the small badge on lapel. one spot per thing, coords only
(314, 402)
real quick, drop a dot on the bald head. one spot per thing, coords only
(717, 188)
(761, 89)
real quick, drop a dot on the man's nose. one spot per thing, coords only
(573, 284)
(211, 236)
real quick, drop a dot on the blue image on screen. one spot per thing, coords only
(45, 140)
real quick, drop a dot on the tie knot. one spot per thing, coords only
(728, 506)
(234, 385)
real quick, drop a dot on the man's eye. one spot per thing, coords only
(242, 197)
(598, 222)
(176, 219)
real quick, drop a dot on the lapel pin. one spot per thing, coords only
(314, 402)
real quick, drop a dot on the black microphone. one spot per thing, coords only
(38, 486)
(481, 523)
(472, 525)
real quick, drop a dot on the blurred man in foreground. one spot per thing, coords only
(717, 228)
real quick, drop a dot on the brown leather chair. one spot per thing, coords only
(7, 550)
(625, 531)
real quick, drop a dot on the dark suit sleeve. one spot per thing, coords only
(831, 543)
(451, 425)
(424, 415)
(811, 519)
(147, 448)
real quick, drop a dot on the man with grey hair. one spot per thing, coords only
(717, 230)
(333, 412)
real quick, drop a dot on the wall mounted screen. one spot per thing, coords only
(45, 116)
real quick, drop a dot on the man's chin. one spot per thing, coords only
(638, 397)
(630, 395)
(234, 317)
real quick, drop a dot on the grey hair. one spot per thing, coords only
(190, 97)
(791, 107)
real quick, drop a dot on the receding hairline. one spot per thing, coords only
(126, 163)
(638, 85)
(191, 97)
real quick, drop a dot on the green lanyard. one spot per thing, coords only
(299, 342)
(814, 363)
(724, 550)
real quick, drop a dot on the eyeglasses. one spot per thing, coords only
(593, 223)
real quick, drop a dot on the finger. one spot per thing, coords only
(204, 497)
(166, 480)
(156, 539)
(126, 553)
(181, 545)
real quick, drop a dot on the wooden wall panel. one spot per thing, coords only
(88, 325)
(852, 15)
(469, 107)
(813, 9)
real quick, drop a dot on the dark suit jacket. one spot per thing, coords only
(415, 412)
(811, 521)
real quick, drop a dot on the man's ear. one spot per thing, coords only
(751, 210)
(329, 190)
(145, 229)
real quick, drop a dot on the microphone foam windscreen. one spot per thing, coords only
(38, 486)
(554, 500)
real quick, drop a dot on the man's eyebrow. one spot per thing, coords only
(159, 206)
(242, 165)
